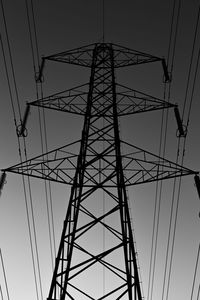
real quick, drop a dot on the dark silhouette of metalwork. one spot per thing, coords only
(97, 237)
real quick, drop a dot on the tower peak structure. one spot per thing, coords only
(96, 256)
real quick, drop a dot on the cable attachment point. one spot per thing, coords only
(182, 130)
(21, 129)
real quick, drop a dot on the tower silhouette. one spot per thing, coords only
(96, 256)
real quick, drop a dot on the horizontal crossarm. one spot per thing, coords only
(82, 56)
(139, 166)
(129, 101)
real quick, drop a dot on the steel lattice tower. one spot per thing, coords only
(97, 237)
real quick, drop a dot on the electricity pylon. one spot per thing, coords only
(96, 257)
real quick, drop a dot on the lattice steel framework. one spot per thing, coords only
(97, 238)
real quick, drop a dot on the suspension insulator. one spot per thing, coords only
(39, 78)
(165, 70)
(179, 122)
(22, 129)
(197, 183)
(2, 181)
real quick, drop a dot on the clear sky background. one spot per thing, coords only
(61, 25)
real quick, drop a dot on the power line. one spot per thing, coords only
(182, 161)
(103, 19)
(193, 88)
(30, 238)
(20, 155)
(174, 234)
(11, 59)
(198, 293)
(50, 191)
(35, 34)
(164, 127)
(4, 274)
(35, 57)
(1, 292)
(30, 36)
(175, 35)
(8, 82)
(19, 144)
(184, 144)
(35, 238)
(195, 274)
(191, 63)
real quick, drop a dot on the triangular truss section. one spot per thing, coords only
(129, 101)
(142, 166)
(139, 166)
(58, 165)
(123, 56)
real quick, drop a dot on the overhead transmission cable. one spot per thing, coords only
(164, 126)
(35, 34)
(191, 63)
(168, 97)
(30, 238)
(175, 220)
(184, 144)
(50, 211)
(172, 48)
(198, 293)
(195, 273)
(11, 59)
(43, 136)
(103, 20)
(8, 82)
(14, 113)
(4, 274)
(20, 155)
(1, 292)
(193, 88)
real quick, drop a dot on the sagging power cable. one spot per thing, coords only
(191, 63)
(164, 126)
(195, 273)
(42, 123)
(11, 59)
(4, 274)
(184, 143)
(20, 155)
(15, 120)
(1, 292)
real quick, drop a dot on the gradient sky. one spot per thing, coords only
(61, 25)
